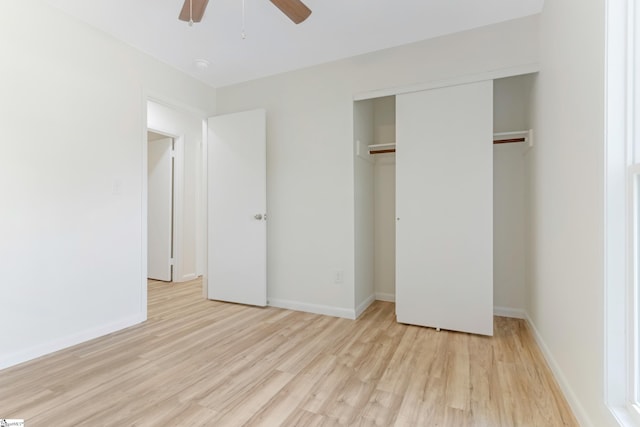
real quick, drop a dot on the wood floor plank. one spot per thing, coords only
(397, 373)
(307, 419)
(458, 385)
(239, 409)
(381, 409)
(201, 363)
(484, 398)
(287, 400)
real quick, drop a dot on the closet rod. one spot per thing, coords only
(389, 147)
(507, 141)
(497, 141)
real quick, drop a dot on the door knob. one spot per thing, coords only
(258, 216)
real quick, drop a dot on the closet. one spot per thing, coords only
(439, 209)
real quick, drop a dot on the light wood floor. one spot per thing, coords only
(205, 363)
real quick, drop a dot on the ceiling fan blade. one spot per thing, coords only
(198, 10)
(294, 9)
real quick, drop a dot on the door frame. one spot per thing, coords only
(175, 233)
(151, 96)
(178, 198)
(203, 208)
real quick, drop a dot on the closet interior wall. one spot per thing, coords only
(374, 123)
(384, 208)
(511, 112)
(364, 202)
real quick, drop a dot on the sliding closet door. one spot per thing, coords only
(444, 205)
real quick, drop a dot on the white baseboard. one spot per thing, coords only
(516, 313)
(34, 352)
(312, 308)
(573, 401)
(380, 296)
(365, 304)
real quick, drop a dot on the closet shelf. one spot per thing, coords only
(525, 136)
(382, 148)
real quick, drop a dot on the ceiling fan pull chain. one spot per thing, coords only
(243, 34)
(191, 13)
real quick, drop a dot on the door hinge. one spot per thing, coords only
(173, 153)
(172, 261)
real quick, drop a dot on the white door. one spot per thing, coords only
(159, 209)
(237, 241)
(444, 208)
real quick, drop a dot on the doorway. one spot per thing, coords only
(160, 206)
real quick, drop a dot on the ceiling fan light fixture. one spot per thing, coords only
(296, 10)
(193, 10)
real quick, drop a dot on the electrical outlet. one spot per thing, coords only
(338, 277)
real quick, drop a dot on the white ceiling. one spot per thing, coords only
(336, 29)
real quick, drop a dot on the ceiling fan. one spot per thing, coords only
(193, 10)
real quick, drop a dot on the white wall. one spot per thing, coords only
(364, 207)
(73, 235)
(512, 103)
(385, 227)
(509, 229)
(384, 120)
(186, 127)
(310, 167)
(566, 175)
(511, 112)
